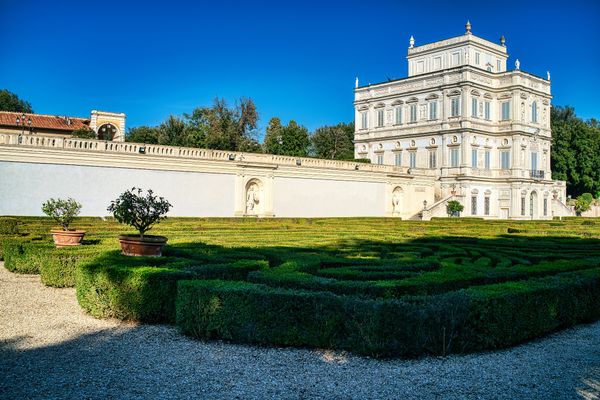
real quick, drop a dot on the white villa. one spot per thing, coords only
(481, 131)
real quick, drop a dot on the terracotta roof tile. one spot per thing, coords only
(42, 121)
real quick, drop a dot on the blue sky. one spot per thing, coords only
(296, 60)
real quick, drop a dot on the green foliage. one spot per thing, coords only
(575, 151)
(62, 211)
(454, 208)
(334, 142)
(139, 211)
(587, 197)
(582, 204)
(289, 140)
(11, 102)
(84, 133)
(143, 134)
(9, 226)
(375, 286)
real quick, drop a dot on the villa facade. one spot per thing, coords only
(481, 130)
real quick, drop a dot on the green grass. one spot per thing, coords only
(381, 287)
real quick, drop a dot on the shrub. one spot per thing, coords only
(138, 211)
(454, 208)
(84, 133)
(9, 226)
(62, 211)
(480, 318)
(24, 257)
(59, 266)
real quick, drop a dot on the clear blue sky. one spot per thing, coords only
(297, 61)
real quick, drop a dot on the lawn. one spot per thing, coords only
(380, 287)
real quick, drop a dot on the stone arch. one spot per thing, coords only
(107, 131)
(397, 200)
(254, 197)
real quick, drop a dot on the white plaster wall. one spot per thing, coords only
(296, 197)
(25, 186)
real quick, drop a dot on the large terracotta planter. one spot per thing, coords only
(67, 238)
(149, 246)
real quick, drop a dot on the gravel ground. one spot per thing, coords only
(49, 348)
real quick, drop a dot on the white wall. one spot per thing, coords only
(25, 186)
(295, 197)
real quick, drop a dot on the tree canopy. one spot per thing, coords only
(290, 140)
(575, 153)
(11, 102)
(335, 142)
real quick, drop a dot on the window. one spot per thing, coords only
(534, 163)
(398, 158)
(413, 113)
(364, 121)
(487, 110)
(380, 159)
(432, 159)
(476, 58)
(545, 207)
(473, 205)
(534, 112)
(498, 66)
(455, 59)
(474, 108)
(486, 205)
(505, 110)
(505, 159)
(454, 160)
(380, 117)
(523, 205)
(398, 114)
(487, 159)
(474, 158)
(413, 159)
(455, 107)
(433, 110)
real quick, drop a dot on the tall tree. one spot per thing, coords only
(335, 142)
(575, 151)
(142, 134)
(11, 102)
(289, 140)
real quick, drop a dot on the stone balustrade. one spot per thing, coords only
(152, 150)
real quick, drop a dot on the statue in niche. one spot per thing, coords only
(252, 199)
(522, 111)
(396, 196)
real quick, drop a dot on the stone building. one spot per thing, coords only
(107, 125)
(482, 131)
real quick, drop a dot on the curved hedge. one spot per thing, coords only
(445, 286)
(480, 318)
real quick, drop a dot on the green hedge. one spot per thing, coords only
(479, 318)
(144, 288)
(24, 257)
(9, 226)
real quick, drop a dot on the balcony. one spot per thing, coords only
(536, 174)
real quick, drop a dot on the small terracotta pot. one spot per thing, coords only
(149, 246)
(67, 238)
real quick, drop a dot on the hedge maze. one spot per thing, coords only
(378, 287)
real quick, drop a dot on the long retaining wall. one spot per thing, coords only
(200, 182)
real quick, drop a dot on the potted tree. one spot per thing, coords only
(454, 208)
(140, 211)
(64, 212)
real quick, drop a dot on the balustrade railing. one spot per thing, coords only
(59, 143)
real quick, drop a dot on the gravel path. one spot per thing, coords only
(50, 349)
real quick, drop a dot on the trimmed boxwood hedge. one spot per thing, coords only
(9, 226)
(144, 288)
(485, 317)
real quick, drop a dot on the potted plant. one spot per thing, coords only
(141, 212)
(64, 212)
(454, 208)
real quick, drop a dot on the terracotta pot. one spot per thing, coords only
(149, 246)
(67, 238)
